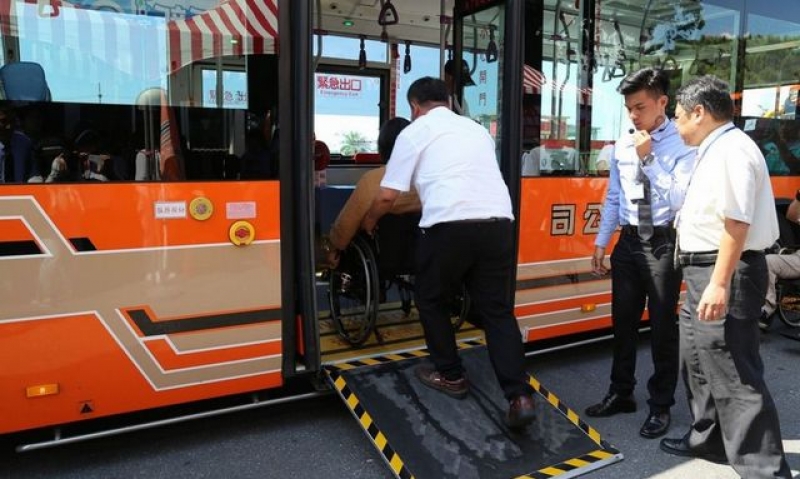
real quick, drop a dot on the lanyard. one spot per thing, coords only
(694, 168)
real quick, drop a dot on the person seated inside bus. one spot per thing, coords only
(95, 161)
(257, 162)
(782, 148)
(550, 161)
(16, 150)
(348, 222)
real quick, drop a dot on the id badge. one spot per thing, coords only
(636, 192)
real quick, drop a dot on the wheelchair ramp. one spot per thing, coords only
(425, 434)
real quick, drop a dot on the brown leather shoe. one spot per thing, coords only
(433, 379)
(521, 411)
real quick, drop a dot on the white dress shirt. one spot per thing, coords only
(451, 161)
(730, 182)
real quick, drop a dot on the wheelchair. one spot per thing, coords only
(368, 270)
(787, 291)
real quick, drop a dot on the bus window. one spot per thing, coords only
(424, 63)
(771, 86)
(166, 91)
(347, 113)
(555, 152)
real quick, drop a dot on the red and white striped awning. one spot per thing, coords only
(532, 80)
(234, 27)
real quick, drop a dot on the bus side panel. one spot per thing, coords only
(120, 297)
(556, 294)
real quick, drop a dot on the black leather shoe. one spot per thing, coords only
(612, 404)
(655, 425)
(680, 447)
(521, 411)
(432, 378)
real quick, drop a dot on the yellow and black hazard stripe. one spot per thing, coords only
(334, 371)
(604, 451)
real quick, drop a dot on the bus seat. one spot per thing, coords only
(24, 81)
(367, 159)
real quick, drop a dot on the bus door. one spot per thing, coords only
(398, 413)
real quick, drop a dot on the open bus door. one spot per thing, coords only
(420, 432)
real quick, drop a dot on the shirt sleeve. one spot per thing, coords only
(675, 180)
(403, 162)
(609, 219)
(740, 177)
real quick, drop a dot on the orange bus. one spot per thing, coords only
(160, 206)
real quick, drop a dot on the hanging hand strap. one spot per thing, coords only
(388, 15)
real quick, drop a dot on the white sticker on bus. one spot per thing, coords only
(243, 210)
(170, 209)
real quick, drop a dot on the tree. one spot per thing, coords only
(353, 142)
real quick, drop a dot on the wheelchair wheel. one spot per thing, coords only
(353, 293)
(460, 308)
(788, 299)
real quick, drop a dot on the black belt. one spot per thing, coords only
(633, 230)
(708, 258)
(493, 219)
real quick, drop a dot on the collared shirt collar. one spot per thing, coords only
(712, 137)
(659, 133)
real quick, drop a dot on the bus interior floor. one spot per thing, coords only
(397, 331)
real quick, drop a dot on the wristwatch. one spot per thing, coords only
(648, 158)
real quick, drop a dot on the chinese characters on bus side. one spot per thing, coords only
(562, 219)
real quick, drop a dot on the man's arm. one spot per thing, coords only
(381, 205)
(714, 302)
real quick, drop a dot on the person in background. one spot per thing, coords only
(781, 266)
(16, 150)
(466, 238)
(349, 220)
(650, 169)
(454, 90)
(726, 222)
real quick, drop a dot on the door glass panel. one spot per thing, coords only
(483, 51)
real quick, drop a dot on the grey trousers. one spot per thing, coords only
(781, 266)
(731, 407)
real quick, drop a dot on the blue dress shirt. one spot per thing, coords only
(669, 176)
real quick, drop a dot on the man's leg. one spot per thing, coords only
(628, 290)
(747, 414)
(442, 257)
(704, 434)
(663, 289)
(489, 284)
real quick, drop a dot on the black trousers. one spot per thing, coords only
(643, 272)
(480, 255)
(732, 409)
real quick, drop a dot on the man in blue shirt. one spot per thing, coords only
(650, 168)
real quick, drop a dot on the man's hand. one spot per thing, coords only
(713, 304)
(333, 258)
(598, 261)
(643, 143)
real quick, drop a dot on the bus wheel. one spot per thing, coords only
(353, 293)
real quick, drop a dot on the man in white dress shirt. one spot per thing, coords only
(727, 220)
(466, 237)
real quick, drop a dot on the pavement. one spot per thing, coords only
(319, 438)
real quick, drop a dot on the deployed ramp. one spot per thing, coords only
(425, 434)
